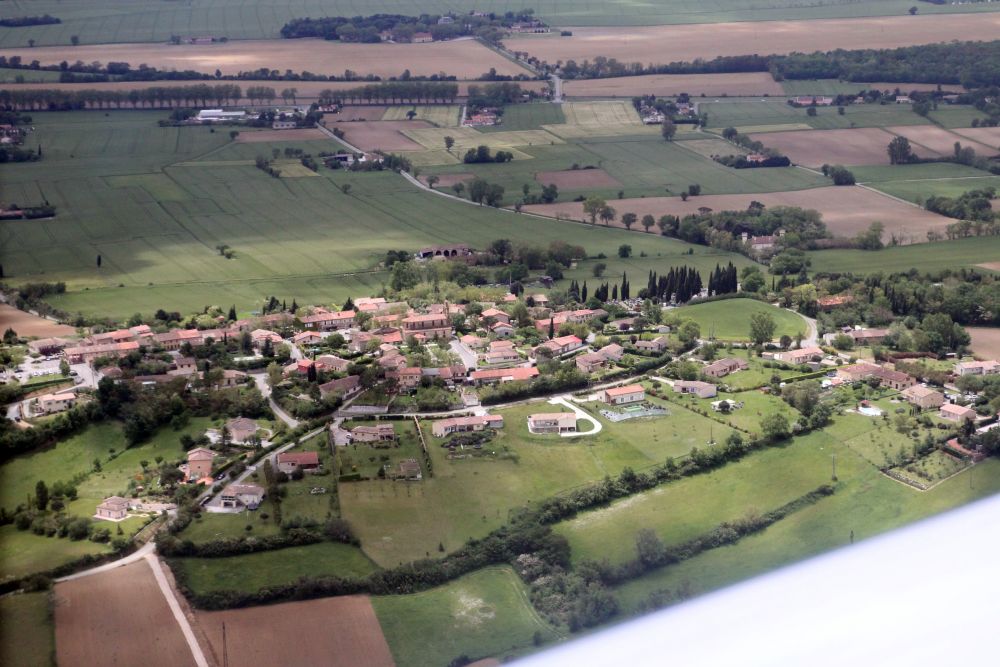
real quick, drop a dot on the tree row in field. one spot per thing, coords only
(399, 28)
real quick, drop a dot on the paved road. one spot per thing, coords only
(812, 335)
(468, 357)
(135, 556)
(260, 379)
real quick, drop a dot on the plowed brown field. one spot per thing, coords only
(26, 324)
(814, 148)
(330, 632)
(382, 134)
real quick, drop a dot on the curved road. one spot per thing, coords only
(812, 337)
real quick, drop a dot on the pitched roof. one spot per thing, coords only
(299, 458)
(624, 391)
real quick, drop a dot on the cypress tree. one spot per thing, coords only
(552, 328)
(232, 313)
(583, 292)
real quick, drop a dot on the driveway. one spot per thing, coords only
(596, 426)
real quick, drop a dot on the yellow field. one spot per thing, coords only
(466, 138)
(431, 158)
(601, 113)
(441, 115)
(294, 169)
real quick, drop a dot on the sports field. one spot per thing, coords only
(845, 210)
(483, 614)
(730, 319)
(668, 85)
(666, 44)
(465, 59)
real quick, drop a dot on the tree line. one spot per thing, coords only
(367, 29)
(153, 97)
(23, 21)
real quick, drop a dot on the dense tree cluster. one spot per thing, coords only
(971, 205)
(724, 229)
(367, 29)
(679, 284)
(723, 280)
(23, 21)
(482, 155)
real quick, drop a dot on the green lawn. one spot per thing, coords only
(685, 509)
(368, 460)
(923, 256)
(483, 614)
(866, 504)
(252, 572)
(27, 633)
(211, 527)
(123, 194)
(22, 552)
(756, 406)
(730, 319)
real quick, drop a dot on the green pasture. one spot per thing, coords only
(866, 504)
(956, 116)
(682, 510)
(483, 614)
(207, 527)
(251, 572)
(776, 111)
(367, 460)
(442, 115)
(730, 319)
(922, 256)
(122, 194)
(22, 552)
(27, 633)
(756, 406)
(528, 117)
(12, 75)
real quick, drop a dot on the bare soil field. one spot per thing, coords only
(988, 136)
(448, 180)
(669, 43)
(753, 83)
(814, 148)
(936, 138)
(383, 134)
(986, 340)
(308, 91)
(352, 113)
(846, 210)
(577, 179)
(28, 325)
(303, 134)
(329, 632)
(119, 617)
(465, 59)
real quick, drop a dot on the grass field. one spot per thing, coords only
(744, 114)
(484, 614)
(23, 552)
(252, 572)
(27, 638)
(11, 75)
(122, 195)
(730, 319)
(528, 117)
(834, 87)
(924, 257)
(866, 504)
(446, 115)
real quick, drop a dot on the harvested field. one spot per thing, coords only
(846, 211)
(988, 136)
(431, 158)
(119, 617)
(781, 127)
(664, 44)
(442, 115)
(303, 134)
(577, 179)
(986, 340)
(465, 59)
(567, 131)
(936, 138)
(308, 91)
(818, 147)
(331, 632)
(753, 83)
(26, 324)
(601, 113)
(466, 137)
(448, 180)
(384, 134)
(350, 113)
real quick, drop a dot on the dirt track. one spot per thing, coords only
(466, 59)
(117, 619)
(846, 210)
(329, 632)
(664, 44)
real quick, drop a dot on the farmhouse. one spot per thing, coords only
(430, 325)
(114, 508)
(199, 463)
(87, 354)
(923, 397)
(289, 462)
(724, 367)
(242, 495)
(376, 433)
(956, 413)
(696, 387)
(632, 393)
(552, 422)
(655, 346)
(241, 429)
(977, 367)
(56, 402)
(502, 375)
(443, 427)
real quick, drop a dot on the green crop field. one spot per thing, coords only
(251, 572)
(866, 503)
(528, 117)
(151, 21)
(124, 191)
(763, 112)
(11, 75)
(446, 115)
(730, 319)
(484, 614)
(27, 637)
(922, 256)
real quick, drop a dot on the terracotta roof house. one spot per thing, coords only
(241, 429)
(56, 402)
(561, 345)
(242, 495)
(473, 341)
(502, 375)
(289, 462)
(114, 508)
(801, 356)
(632, 393)
(612, 351)
(923, 397)
(47, 345)
(307, 338)
(591, 362)
(431, 325)
(724, 367)
(552, 422)
(956, 413)
(831, 302)
(657, 345)
(376, 433)
(406, 378)
(87, 354)
(496, 314)
(443, 427)
(259, 336)
(199, 463)
(343, 386)
(502, 330)
(329, 362)
(539, 299)
(699, 389)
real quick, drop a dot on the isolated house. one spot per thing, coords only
(56, 402)
(957, 413)
(923, 397)
(114, 508)
(696, 387)
(376, 433)
(552, 422)
(199, 462)
(724, 367)
(242, 495)
(443, 427)
(241, 429)
(289, 462)
(632, 393)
